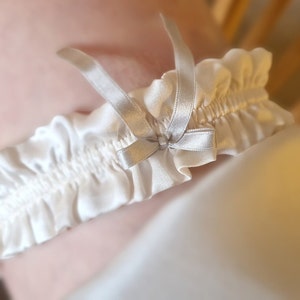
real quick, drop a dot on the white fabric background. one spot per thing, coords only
(235, 235)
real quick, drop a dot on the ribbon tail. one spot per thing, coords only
(186, 86)
(129, 111)
(196, 140)
(136, 152)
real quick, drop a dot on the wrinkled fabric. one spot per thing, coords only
(68, 172)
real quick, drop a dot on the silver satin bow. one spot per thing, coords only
(148, 142)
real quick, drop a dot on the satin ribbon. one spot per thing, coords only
(148, 142)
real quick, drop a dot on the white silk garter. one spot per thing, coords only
(136, 145)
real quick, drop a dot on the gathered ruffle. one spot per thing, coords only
(68, 172)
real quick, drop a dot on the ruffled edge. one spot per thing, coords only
(230, 97)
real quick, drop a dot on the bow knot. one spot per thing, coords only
(163, 142)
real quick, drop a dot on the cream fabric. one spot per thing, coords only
(233, 235)
(68, 172)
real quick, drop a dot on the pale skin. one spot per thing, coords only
(128, 39)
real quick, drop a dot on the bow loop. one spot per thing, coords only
(196, 140)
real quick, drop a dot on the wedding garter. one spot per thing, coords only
(136, 145)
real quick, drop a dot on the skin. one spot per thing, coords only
(128, 39)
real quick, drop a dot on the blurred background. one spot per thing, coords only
(274, 25)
